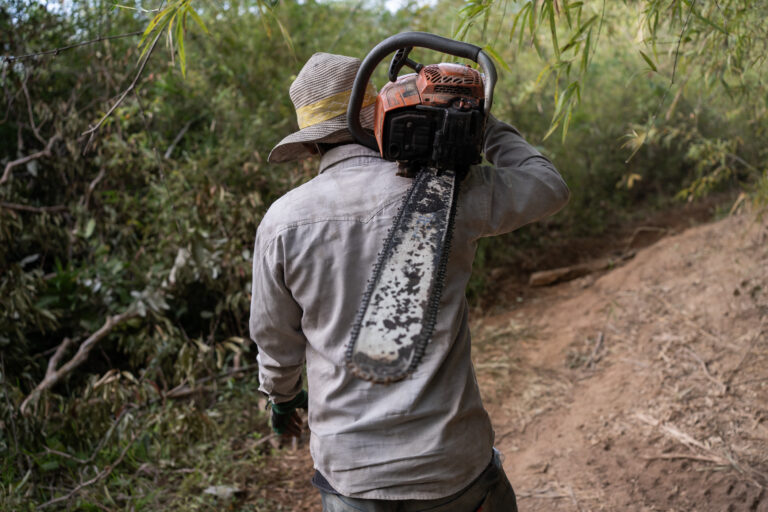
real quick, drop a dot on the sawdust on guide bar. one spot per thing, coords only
(641, 388)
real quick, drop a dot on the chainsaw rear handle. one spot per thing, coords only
(405, 40)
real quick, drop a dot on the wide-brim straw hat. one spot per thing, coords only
(320, 95)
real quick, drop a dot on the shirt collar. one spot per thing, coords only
(348, 155)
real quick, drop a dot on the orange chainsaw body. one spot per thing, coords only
(436, 85)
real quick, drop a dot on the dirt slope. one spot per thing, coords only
(645, 388)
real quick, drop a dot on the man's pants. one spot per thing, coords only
(490, 492)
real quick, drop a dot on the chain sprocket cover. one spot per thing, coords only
(397, 316)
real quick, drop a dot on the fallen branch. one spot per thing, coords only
(53, 375)
(102, 474)
(92, 130)
(559, 275)
(688, 456)
(23, 160)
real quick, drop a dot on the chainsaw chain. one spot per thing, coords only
(433, 306)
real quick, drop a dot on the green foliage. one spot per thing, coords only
(721, 46)
(159, 215)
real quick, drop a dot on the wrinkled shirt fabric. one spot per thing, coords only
(427, 436)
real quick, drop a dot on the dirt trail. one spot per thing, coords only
(645, 388)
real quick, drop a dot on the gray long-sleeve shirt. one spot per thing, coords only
(427, 436)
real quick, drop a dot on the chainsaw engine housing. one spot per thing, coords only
(434, 118)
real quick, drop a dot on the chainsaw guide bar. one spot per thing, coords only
(399, 309)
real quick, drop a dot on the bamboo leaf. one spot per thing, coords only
(287, 37)
(263, 17)
(180, 45)
(197, 19)
(553, 29)
(543, 74)
(563, 107)
(517, 18)
(532, 19)
(649, 61)
(159, 22)
(551, 130)
(490, 51)
(585, 52)
(153, 23)
(580, 32)
(567, 121)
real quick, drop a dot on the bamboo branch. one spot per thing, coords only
(35, 130)
(92, 186)
(33, 209)
(182, 390)
(92, 130)
(102, 474)
(53, 375)
(57, 51)
(34, 156)
(98, 447)
(178, 138)
(11, 414)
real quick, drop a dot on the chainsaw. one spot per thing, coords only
(431, 123)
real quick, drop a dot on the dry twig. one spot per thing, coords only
(723, 387)
(687, 320)
(752, 344)
(712, 456)
(689, 456)
(545, 492)
(593, 358)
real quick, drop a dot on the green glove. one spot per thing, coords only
(285, 420)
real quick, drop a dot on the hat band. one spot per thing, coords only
(330, 107)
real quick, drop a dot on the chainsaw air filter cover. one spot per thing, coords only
(434, 118)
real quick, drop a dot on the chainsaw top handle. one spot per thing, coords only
(406, 40)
